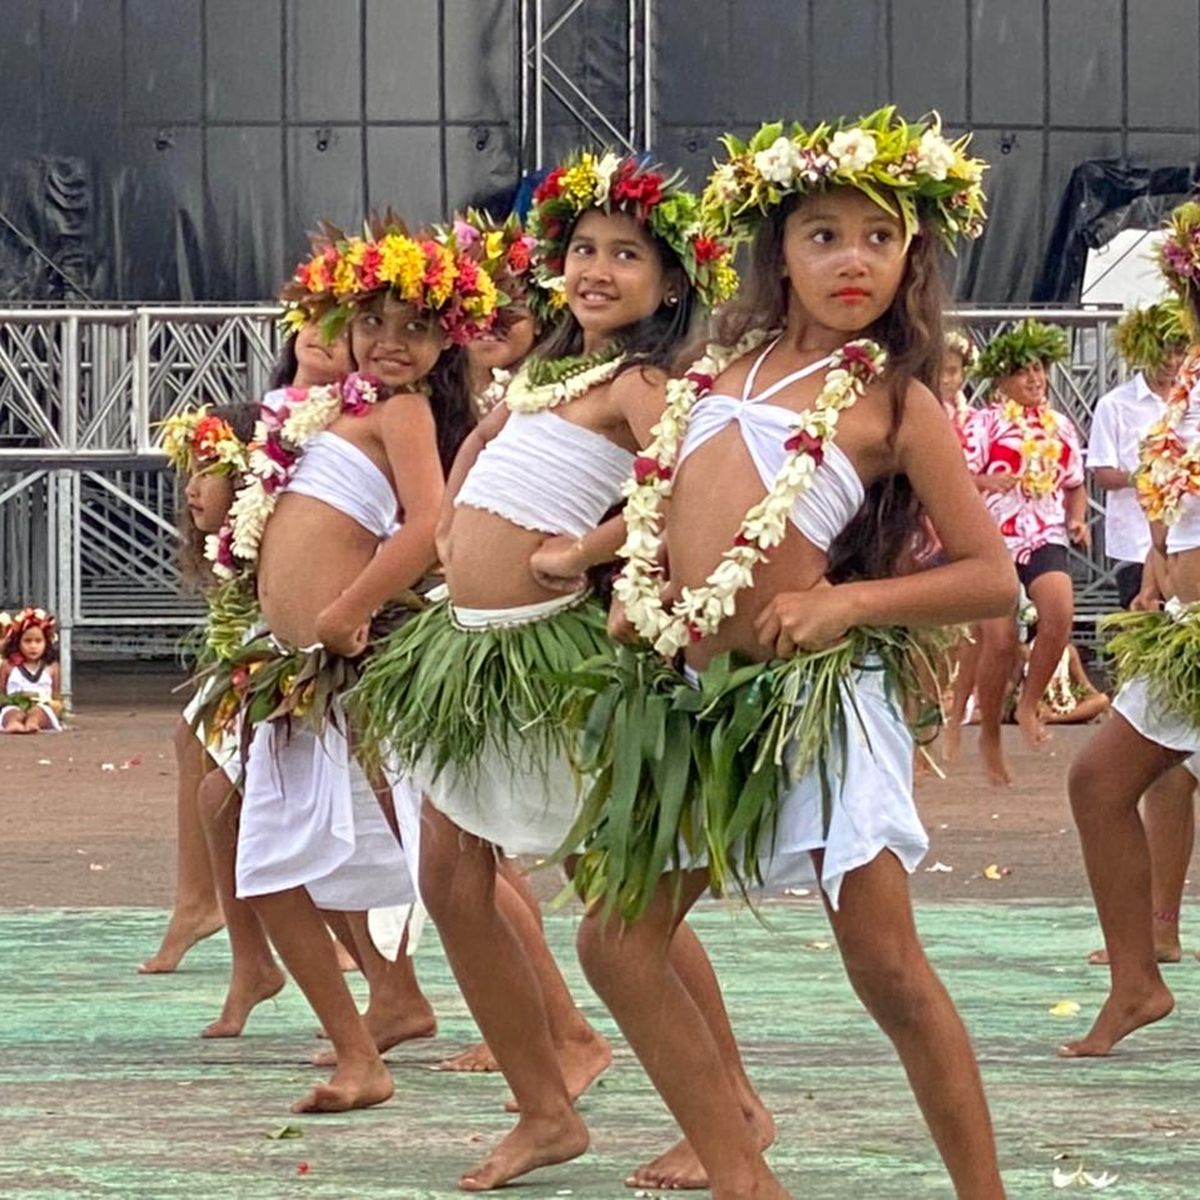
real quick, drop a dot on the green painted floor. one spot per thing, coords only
(106, 1092)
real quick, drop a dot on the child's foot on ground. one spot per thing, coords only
(472, 1060)
(247, 990)
(418, 1022)
(1166, 950)
(583, 1060)
(994, 763)
(532, 1144)
(183, 931)
(1031, 726)
(361, 1085)
(1119, 1017)
(680, 1168)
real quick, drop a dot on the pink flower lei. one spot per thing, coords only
(699, 611)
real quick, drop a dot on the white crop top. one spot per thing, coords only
(837, 493)
(1184, 534)
(544, 473)
(337, 472)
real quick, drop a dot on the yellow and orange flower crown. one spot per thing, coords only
(908, 168)
(196, 440)
(431, 272)
(656, 200)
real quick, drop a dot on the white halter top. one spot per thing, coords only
(21, 683)
(337, 472)
(837, 493)
(544, 473)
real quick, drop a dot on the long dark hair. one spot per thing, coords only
(450, 397)
(887, 525)
(194, 568)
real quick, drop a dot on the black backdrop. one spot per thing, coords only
(178, 149)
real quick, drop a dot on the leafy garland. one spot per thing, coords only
(280, 436)
(1041, 448)
(700, 611)
(1168, 469)
(1146, 337)
(196, 440)
(1029, 342)
(546, 383)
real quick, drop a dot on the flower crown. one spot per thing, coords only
(196, 440)
(1028, 342)
(909, 170)
(628, 185)
(955, 341)
(505, 250)
(434, 275)
(12, 629)
(1147, 337)
(1179, 251)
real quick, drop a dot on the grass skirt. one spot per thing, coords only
(476, 714)
(1156, 663)
(685, 774)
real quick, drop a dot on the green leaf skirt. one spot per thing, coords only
(1164, 652)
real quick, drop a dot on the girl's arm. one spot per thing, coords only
(55, 682)
(977, 583)
(464, 460)
(1075, 503)
(410, 440)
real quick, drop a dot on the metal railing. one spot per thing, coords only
(87, 508)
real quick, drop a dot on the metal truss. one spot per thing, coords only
(627, 122)
(87, 506)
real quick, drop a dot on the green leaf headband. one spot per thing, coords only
(1147, 337)
(1028, 342)
(909, 169)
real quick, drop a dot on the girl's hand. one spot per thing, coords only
(558, 565)
(1003, 482)
(808, 620)
(1079, 532)
(343, 632)
(1146, 601)
(620, 627)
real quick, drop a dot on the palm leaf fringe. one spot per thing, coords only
(1165, 652)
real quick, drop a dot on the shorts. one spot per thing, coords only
(1129, 582)
(1043, 561)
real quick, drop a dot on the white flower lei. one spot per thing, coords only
(525, 397)
(287, 430)
(700, 611)
(493, 393)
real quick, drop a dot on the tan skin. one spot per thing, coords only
(1051, 593)
(501, 350)
(614, 277)
(1105, 783)
(844, 259)
(33, 649)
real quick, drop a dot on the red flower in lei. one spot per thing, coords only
(645, 468)
(707, 249)
(808, 444)
(643, 190)
(551, 187)
(368, 273)
(518, 257)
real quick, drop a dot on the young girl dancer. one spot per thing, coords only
(337, 466)
(845, 224)
(1156, 725)
(1027, 462)
(470, 694)
(30, 692)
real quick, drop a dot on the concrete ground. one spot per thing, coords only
(107, 1091)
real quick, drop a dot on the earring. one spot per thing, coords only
(672, 300)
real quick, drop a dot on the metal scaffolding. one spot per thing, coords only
(87, 506)
(624, 121)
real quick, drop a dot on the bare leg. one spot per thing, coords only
(296, 928)
(887, 966)
(1104, 783)
(196, 913)
(1055, 601)
(997, 652)
(397, 1010)
(498, 982)
(1168, 815)
(680, 1167)
(964, 686)
(631, 969)
(254, 975)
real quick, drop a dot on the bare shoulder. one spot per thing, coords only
(405, 407)
(637, 382)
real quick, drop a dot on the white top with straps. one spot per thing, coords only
(338, 473)
(21, 683)
(544, 473)
(837, 493)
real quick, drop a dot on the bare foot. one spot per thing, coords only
(246, 991)
(1118, 1019)
(359, 1086)
(1032, 728)
(532, 1144)
(994, 762)
(475, 1059)
(583, 1060)
(679, 1169)
(1165, 951)
(183, 932)
(402, 1027)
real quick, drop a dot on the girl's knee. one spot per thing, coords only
(898, 986)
